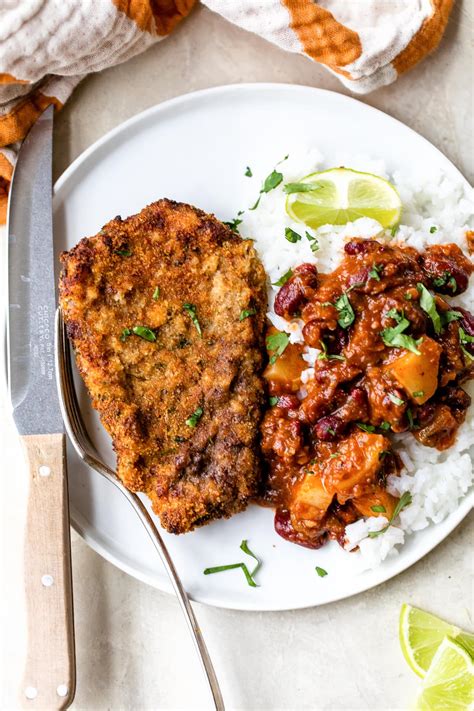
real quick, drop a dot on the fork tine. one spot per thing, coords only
(86, 450)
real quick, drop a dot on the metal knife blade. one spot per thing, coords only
(31, 286)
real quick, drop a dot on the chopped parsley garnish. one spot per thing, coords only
(395, 399)
(321, 572)
(273, 400)
(378, 509)
(346, 312)
(433, 229)
(411, 422)
(324, 355)
(256, 204)
(233, 566)
(394, 230)
(301, 187)
(195, 417)
(248, 172)
(314, 242)
(394, 336)
(272, 181)
(276, 344)
(385, 426)
(446, 279)
(291, 235)
(428, 305)
(375, 272)
(125, 252)
(407, 296)
(246, 313)
(156, 293)
(404, 501)
(331, 431)
(143, 332)
(283, 279)
(448, 316)
(125, 334)
(234, 224)
(418, 393)
(464, 340)
(364, 427)
(191, 310)
(334, 455)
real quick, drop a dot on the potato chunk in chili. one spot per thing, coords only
(392, 354)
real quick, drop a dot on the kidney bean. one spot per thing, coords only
(288, 402)
(359, 395)
(361, 246)
(359, 278)
(297, 290)
(467, 324)
(446, 274)
(329, 428)
(284, 528)
(312, 333)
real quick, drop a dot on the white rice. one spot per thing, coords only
(436, 480)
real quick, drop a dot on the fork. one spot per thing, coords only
(84, 447)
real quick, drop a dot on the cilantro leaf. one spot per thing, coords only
(375, 272)
(143, 332)
(234, 224)
(346, 312)
(404, 501)
(156, 293)
(248, 172)
(284, 278)
(364, 427)
(378, 509)
(321, 572)
(191, 310)
(272, 181)
(428, 305)
(276, 344)
(394, 337)
(246, 313)
(195, 417)
(291, 235)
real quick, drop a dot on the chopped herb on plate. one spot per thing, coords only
(248, 172)
(156, 293)
(404, 501)
(346, 312)
(191, 310)
(291, 235)
(276, 344)
(428, 305)
(283, 279)
(143, 332)
(321, 572)
(246, 313)
(195, 417)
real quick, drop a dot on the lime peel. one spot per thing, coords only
(422, 633)
(449, 683)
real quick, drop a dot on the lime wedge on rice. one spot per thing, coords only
(449, 683)
(342, 195)
(421, 634)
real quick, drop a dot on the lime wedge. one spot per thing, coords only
(342, 195)
(421, 634)
(449, 683)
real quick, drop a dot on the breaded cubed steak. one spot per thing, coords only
(166, 313)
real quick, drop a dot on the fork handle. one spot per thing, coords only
(49, 680)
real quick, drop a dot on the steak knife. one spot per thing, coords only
(49, 680)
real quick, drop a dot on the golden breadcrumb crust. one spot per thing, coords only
(142, 271)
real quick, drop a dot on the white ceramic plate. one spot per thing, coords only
(195, 149)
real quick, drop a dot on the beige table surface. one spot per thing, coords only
(133, 651)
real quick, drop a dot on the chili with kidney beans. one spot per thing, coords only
(391, 357)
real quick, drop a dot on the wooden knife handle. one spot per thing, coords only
(50, 678)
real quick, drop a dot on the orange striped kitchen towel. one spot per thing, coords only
(48, 46)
